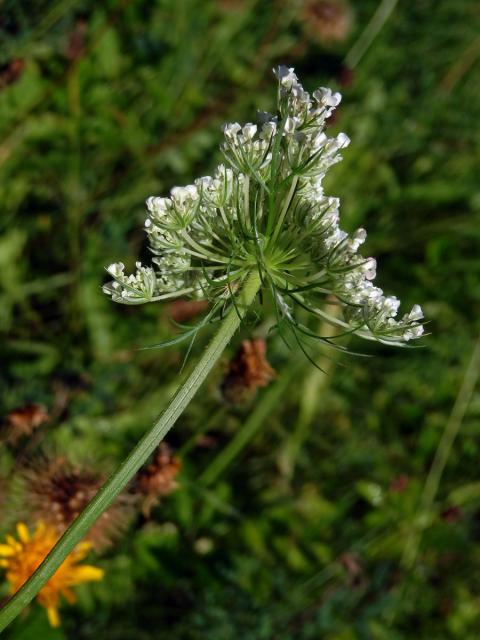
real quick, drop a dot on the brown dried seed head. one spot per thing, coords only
(247, 371)
(327, 21)
(157, 479)
(24, 420)
(57, 491)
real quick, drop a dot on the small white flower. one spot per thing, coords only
(416, 313)
(390, 306)
(290, 125)
(158, 206)
(269, 129)
(232, 130)
(318, 141)
(413, 332)
(181, 195)
(357, 239)
(336, 237)
(204, 183)
(286, 76)
(342, 140)
(369, 268)
(249, 130)
(116, 269)
(326, 97)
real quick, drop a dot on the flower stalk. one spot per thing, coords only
(138, 455)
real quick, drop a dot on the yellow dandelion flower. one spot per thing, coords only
(20, 557)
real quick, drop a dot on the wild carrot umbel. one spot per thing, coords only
(261, 222)
(265, 209)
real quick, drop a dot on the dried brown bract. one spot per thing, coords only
(24, 420)
(57, 491)
(327, 21)
(248, 371)
(157, 479)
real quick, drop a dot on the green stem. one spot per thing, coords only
(137, 456)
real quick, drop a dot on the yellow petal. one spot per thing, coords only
(6, 550)
(13, 543)
(4, 563)
(53, 617)
(22, 531)
(87, 573)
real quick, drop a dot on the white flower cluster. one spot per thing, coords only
(132, 289)
(366, 304)
(347, 274)
(245, 152)
(265, 209)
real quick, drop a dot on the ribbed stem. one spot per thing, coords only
(137, 457)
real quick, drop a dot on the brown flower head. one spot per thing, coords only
(327, 21)
(57, 491)
(24, 420)
(157, 479)
(248, 371)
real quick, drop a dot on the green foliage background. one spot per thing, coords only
(294, 522)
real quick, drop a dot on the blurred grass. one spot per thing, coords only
(301, 531)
